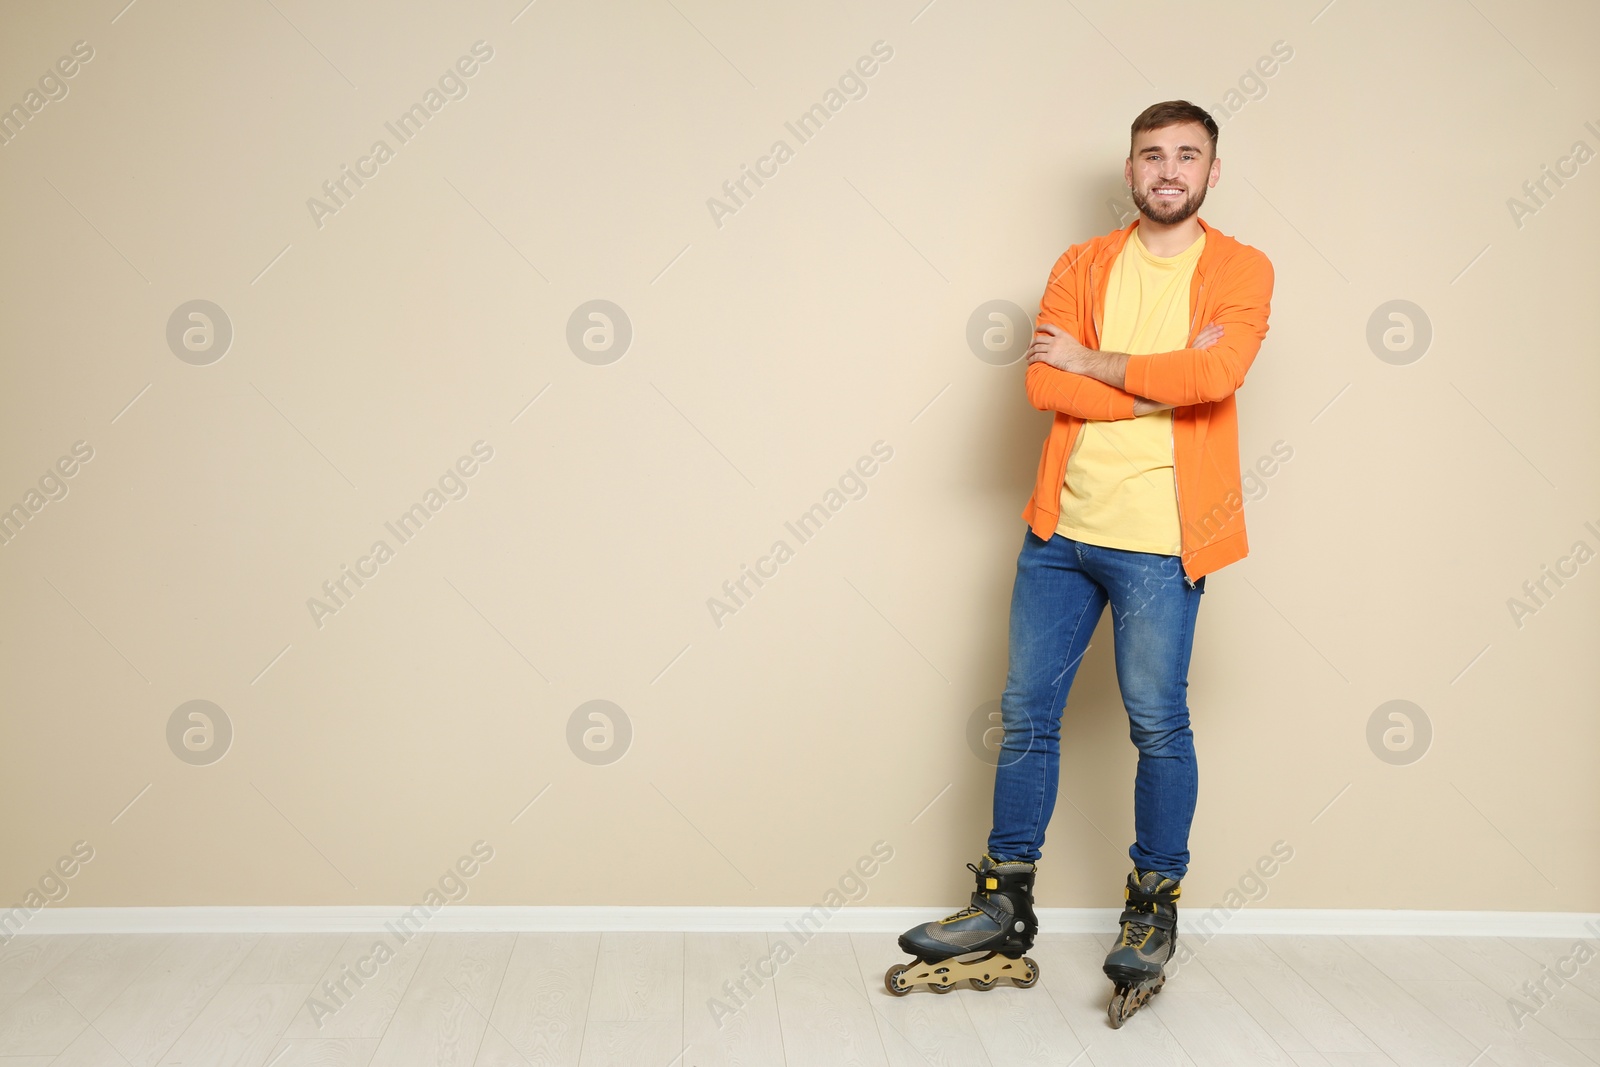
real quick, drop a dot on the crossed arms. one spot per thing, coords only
(1063, 375)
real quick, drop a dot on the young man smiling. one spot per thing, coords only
(1137, 499)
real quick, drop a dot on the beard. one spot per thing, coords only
(1169, 213)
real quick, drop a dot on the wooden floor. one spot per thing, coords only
(649, 1000)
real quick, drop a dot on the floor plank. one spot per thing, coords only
(1581, 967)
(288, 959)
(1563, 1008)
(1481, 1015)
(98, 972)
(1070, 973)
(730, 1001)
(823, 1007)
(736, 1000)
(442, 1017)
(38, 1023)
(27, 958)
(149, 1016)
(91, 1049)
(921, 1027)
(1016, 1027)
(1213, 1028)
(1407, 958)
(636, 1008)
(1588, 1047)
(1342, 1059)
(1299, 1018)
(539, 1016)
(358, 992)
(239, 1026)
(321, 1052)
(1394, 1021)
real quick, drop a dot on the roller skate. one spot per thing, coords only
(1137, 962)
(990, 935)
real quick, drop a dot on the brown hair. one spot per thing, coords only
(1171, 113)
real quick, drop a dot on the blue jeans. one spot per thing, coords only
(1061, 589)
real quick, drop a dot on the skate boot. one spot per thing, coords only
(990, 934)
(1137, 962)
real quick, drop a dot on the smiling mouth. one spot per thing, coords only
(1167, 191)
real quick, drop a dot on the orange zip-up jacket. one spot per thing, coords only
(1232, 286)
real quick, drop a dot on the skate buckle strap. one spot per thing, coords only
(1141, 895)
(991, 909)
(1148, 906)
(1162, 920)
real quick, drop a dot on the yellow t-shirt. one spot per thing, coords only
(1119, 490)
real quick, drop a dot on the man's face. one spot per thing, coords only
(1170, 171)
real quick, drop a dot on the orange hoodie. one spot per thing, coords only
(1232, 287)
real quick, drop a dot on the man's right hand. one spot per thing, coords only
(1204, 339)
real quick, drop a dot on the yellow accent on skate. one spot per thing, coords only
(1127, 941)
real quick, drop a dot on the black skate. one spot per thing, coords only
(1137, 962)
(992, 933)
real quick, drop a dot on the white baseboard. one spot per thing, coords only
(463, 918)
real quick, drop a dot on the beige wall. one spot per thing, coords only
(372, 352)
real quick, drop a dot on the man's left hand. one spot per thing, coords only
(1057, 347)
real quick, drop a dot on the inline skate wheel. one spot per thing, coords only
(1030, 982)
(893, 980)
(1128, 999)
(1114, 1011)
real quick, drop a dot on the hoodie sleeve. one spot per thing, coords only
(1053, 389)
(1200, 376)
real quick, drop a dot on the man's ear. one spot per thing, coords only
(1216, 173)
(1127, 172)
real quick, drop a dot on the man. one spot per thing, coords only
(1137, 499)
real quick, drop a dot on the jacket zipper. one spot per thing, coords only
(1177, 494)
(1094, 319)
(1094, 313)
(1176, 491)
